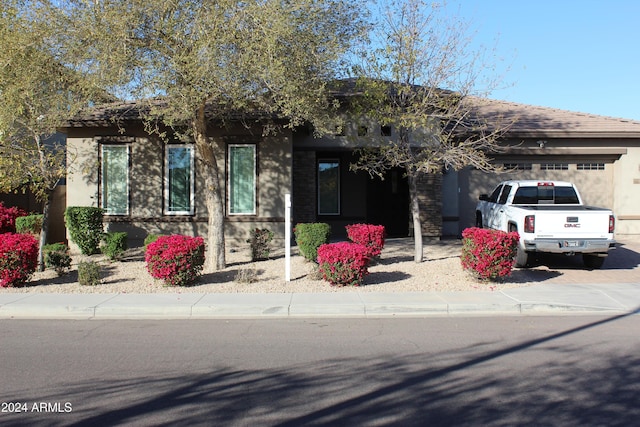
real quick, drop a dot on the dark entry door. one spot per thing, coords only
(388, 203)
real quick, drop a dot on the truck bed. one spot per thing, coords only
(554, 208)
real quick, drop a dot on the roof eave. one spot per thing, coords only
(571, 134)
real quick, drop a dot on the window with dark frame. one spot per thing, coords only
(554, 166)
(517, 166)
(329, 187)
(590, 166)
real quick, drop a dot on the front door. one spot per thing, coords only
(388, 203)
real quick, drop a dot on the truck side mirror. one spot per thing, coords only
(484, 197)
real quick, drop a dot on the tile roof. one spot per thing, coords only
(535, 121)
(526, 120)
(132, 111)
(106, 115)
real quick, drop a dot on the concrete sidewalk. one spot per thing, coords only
(532, 300)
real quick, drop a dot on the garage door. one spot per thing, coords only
(594, 180)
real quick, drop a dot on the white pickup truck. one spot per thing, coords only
(550, 217)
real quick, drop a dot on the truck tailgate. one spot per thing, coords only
(567, 223)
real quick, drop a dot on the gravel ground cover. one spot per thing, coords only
(394, 272)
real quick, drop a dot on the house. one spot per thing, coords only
(147, 185)
(24, 199)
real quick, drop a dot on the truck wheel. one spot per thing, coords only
(593, 262)
(478, 220)
(523, 258)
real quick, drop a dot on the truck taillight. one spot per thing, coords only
(529, 224)
(612, 223)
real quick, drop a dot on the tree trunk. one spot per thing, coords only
(45, 229)
(215, 259)
(415, 214)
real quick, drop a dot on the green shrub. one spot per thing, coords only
(115, 244)
(260, 239)
(309, 237)
(29, 224)
(85, 227)
(56, 256)
(150, 239)
(55, 247)
(89, 273)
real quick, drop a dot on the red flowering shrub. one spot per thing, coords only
(18, 258)
(489, 253)
(343, 263)
(371, 236)
(176, 259)
(8, 218)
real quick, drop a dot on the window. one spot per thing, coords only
(362, 130)
(329, 187)
(115, 179)
(385, 130)
(517, 166)
(566, 196)
(526, 196)
(590, 166)
(505, 194)
(495, 194)
(179, 180)
(554, 166)
(544, 195)
(242, 179)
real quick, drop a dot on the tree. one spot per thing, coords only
(38, 94)
(214, 62)
(421, 80)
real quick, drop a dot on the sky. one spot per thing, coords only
(576, 55)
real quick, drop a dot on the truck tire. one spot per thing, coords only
(593, 261)
(478, 220)
(523, 258)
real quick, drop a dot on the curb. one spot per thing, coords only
(292, 305)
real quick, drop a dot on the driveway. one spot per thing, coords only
(621, 266)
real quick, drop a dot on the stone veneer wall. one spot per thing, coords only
(430, 197)
(304, 186)
(304, 194)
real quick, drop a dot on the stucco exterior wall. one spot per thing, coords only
(146, 184)
(627, 192)
(617, 187)
(82, 171)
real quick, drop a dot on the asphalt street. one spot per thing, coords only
(462, 371)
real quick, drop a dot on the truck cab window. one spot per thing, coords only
(566, 196)
(494, 196)
(505, 194)
(526, 196)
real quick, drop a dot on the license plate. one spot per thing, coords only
(571, 244)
